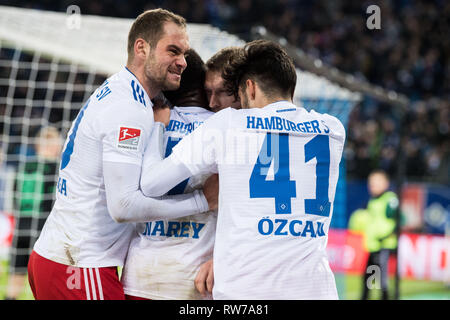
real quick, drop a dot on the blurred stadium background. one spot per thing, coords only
(389, 86)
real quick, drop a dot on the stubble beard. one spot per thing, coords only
(160, 81)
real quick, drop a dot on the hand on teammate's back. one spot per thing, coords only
(162, 114)
(211, 191)
(160, 101)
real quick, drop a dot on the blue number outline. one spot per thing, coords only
(179, 188)
(319, 148)
(67, 153)
(282, 188)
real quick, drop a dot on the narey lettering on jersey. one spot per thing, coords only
(183, 229)
(129, 138)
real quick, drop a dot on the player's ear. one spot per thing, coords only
(251, 89)
(141, 48)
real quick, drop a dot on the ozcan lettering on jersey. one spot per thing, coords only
(284, 227)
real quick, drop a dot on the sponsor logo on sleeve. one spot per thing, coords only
(129, 138)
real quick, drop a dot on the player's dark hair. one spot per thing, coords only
(218, 61)
(192, 78)
(264, 62)
(149, 26)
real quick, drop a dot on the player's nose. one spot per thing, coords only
(181, 62)
(214, 102)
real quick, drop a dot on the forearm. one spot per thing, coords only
(135, 207)
(160, 175)
(126, 203)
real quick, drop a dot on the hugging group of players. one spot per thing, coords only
(149, 185)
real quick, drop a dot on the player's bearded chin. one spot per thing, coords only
(172, 85)
(158, 75)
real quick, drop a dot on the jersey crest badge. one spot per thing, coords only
(129, 138)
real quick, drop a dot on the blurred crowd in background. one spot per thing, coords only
(409, 54)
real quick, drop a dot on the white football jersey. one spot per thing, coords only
(278, 169)
(164, 256)
(114, 125)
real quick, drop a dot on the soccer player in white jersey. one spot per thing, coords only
(83, 241)
(278, 167)
(165, 255)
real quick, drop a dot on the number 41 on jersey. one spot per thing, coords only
(282, 188)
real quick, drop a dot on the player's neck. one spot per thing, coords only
(192, 98)
(265, 101)
(140, 75)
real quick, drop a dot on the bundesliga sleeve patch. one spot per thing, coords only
(129, 138)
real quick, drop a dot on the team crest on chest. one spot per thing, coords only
(129, 138)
